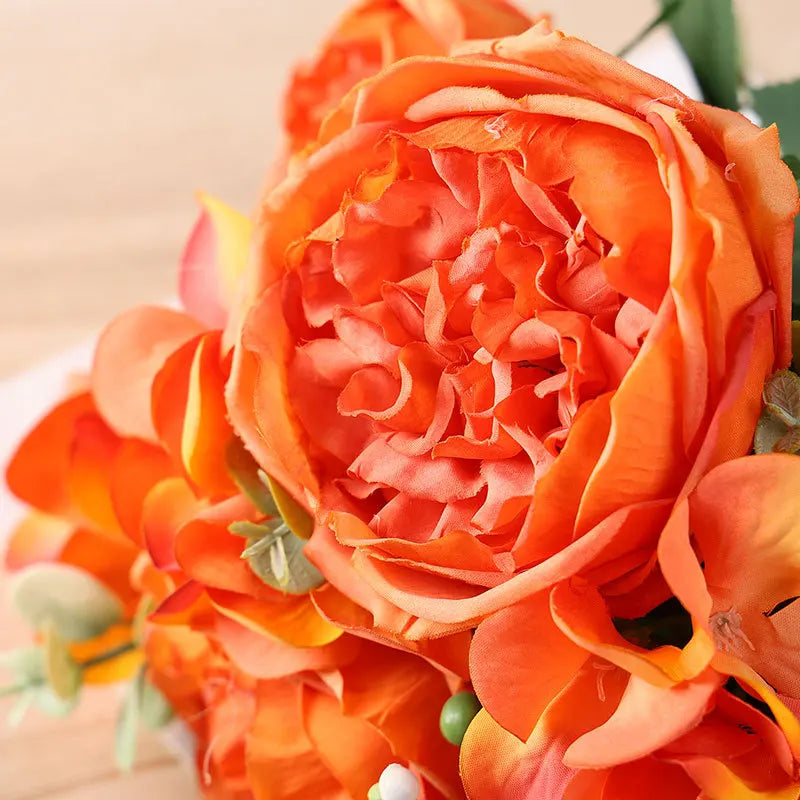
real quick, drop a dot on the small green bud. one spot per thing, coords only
(374, 792)
(457, 713)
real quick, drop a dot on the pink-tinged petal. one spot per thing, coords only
(129, 353)
(647, 718)
(519, 661)
(763, 534)
(38, 538)
(214, 261)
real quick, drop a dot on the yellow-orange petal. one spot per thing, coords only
(213, 261)
(206, 431)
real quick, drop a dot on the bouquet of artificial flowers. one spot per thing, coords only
(440, 484)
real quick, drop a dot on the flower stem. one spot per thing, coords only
(669, 10)
(109, 655)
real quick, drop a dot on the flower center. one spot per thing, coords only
(726, 626)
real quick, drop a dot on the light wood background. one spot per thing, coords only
(113, 112)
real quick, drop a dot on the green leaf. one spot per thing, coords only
(75, 602)
(155, 709)
(668, 10)
(707, 32)
(279, 561)
(793, 162)
(64, 675)
(789, 442)
(29, 668)
(244, 471)
(769, 431)
(145, 607)
(50, 703)
(20, 708)
(782, 396)
(780, 104)
(26, 665)
(128, 725)
(257, 530)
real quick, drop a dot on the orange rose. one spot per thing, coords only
(376, 33)
(516, 303)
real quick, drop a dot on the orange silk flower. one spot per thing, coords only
(130, 481)
(594, 694)
(376, 33)
(310, 730)
(515, 303)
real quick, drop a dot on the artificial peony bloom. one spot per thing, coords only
(516, 302)
(376, 33)
(679, 674)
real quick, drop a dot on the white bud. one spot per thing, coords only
(398, 783)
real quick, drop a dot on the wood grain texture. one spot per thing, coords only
(113, 113)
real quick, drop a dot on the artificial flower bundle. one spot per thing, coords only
(439, 485)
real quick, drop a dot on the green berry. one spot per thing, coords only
(457, 713)
(374, 792)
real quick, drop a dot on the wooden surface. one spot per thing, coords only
(113, 113)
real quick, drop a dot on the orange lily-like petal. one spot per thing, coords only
(647, 718)
(39, 471)
(752, 562)
(524, 642)
(495, 763)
